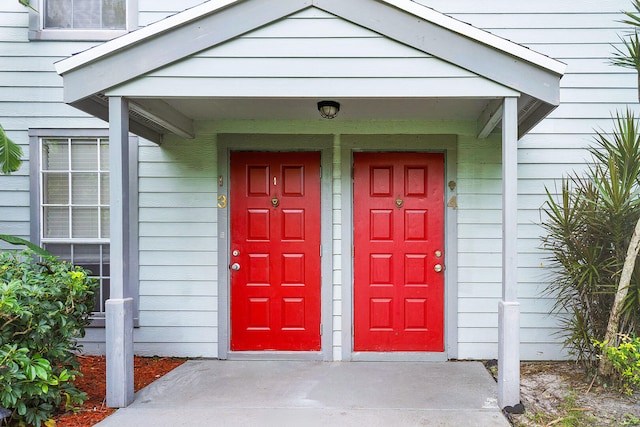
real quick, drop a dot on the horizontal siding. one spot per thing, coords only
(154, 10)
(178, 215)
(171, 319)
(178, 303)
(195, 288)
(294, 57)
(528, 351)
(177, 349)
(479, 256)
(178, 249)
(313, 67)
(31, 97)
(543, 18)
(311, 48)
(579, 33)
(93, 343)
(533, 9)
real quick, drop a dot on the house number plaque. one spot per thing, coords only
(222, 201)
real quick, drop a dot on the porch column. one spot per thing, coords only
(119, 308)
(508, 307)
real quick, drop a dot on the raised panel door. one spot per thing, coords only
(398, 235)
(275, 248)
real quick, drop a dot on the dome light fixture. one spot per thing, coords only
(328, 109)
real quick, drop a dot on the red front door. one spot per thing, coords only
(275, 251)
(398, 245)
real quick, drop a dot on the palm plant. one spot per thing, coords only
(590, 227)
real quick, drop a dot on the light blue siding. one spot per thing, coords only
(178, 180)
(580, 34)
(294, 56)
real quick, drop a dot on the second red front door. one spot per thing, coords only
(398, 252)
(275, 251)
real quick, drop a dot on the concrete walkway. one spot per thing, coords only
(251, 393)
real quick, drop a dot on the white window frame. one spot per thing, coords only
(36, 136)
(38, 32)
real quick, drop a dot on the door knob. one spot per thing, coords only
(235, 266)
(438, 268)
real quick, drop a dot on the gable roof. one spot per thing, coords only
(89, 74)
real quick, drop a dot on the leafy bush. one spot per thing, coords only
(626, 361)
(44, 308)
(589, 226)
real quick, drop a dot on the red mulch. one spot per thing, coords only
(146, 370)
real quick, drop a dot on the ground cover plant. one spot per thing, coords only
(44, 307)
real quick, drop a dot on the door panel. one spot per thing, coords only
(398, 227)
(275, 231)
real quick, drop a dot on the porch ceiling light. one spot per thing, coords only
(328, 109)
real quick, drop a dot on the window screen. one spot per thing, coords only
(85, 14)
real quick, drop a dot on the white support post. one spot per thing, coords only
(119, 308)
(509, 308)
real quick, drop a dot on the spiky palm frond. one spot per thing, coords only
(633, 17)
(628, 56)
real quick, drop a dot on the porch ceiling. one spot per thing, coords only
(306, 108)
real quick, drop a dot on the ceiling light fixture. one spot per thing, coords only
(328, 109)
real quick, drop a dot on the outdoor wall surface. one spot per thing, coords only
(179, 220)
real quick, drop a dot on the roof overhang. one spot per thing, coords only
(89, 75)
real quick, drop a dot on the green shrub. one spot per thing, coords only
(44, 308)
(625, 359)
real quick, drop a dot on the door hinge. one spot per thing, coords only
(321, 329)
(320, 250)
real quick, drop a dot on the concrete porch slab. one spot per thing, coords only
(285, 393)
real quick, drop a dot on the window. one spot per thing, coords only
(70, 201)
(85, 14)
(74, 182)
(82, 19)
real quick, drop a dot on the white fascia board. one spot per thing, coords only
(479, 35)
(127, 40)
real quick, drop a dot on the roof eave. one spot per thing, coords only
(140, 35)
